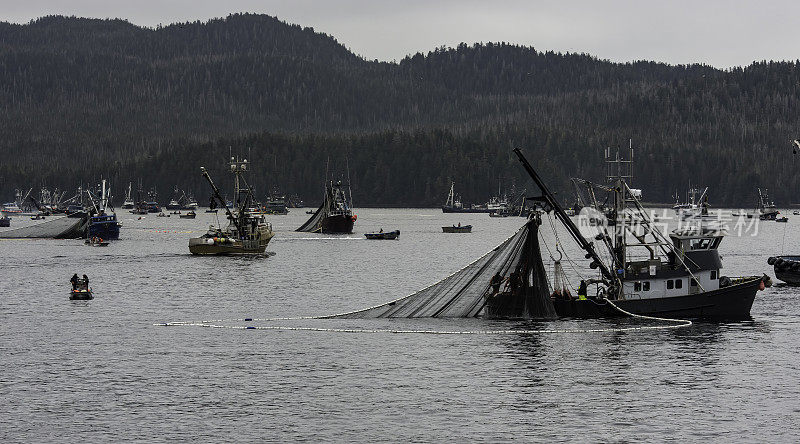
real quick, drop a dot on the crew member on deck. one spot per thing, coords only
(582, 290)
(74, 281)
(496, 281)
(86, 281)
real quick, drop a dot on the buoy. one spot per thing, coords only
(796, 266)
(779, 261)
(771, 260)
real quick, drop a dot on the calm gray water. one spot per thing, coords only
(100, 371)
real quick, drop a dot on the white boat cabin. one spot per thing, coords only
(694, 248)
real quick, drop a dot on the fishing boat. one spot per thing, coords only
(191, 202)
(103, 221)
(189, 215)
(381, 235)
(457, 229)
(128, 203)
(453, 204)
(648, 273)
(787, 268)
(335, 215)
(766, 207)
(246, 234)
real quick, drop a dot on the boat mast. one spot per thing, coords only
(562, 216)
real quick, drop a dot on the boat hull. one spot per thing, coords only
(446, 209)
(104, 229)
(728, 303)
(461, 229)
(338, 224)
(389, 235)
(202, 246)
(80, 295)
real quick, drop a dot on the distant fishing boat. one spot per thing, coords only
(103, 221)
(189, 215)
(453, 204)
(766, 207)
(128, 203)
(335, 215)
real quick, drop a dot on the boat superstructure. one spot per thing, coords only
(246, 233)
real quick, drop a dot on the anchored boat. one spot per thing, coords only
(246, 233)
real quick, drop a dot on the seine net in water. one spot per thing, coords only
(524, 292)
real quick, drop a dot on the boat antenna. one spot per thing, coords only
(563, 218)
(349, 189)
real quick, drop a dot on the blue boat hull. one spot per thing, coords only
(106, 228)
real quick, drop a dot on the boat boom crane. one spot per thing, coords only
(562, 216)
(218, 196)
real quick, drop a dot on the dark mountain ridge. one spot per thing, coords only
(84, 97)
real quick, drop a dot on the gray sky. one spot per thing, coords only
(716, 32)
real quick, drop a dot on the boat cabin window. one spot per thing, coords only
(713, 274)
(678, 283)
(700, 244)
(670, 284)
(646, 286)
(637, 286)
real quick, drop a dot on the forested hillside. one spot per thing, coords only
(80, 98)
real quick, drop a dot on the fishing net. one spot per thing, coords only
(54, 227)
(314, 223)
(523, 292)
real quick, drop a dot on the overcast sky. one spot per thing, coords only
(721, 33)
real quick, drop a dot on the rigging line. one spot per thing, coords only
(572, 264)
(569, 262)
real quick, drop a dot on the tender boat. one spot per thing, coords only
(81, 291)
(458, 229)
(189, 215)
(96, 242)
(782, 219)
(383, 235)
